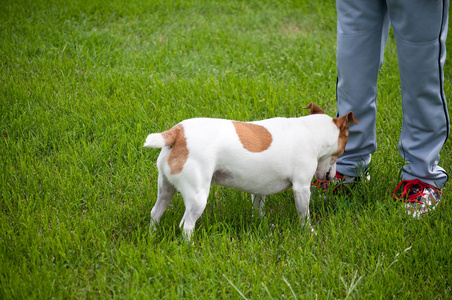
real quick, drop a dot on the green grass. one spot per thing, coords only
(83, 83)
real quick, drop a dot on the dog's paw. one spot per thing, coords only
(152, 227)
(313, 231)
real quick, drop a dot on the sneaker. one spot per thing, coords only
(418, 196)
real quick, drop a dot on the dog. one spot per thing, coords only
(262, 158)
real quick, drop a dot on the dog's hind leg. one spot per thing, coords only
(195, 201)
(166, 193)
(258, 203)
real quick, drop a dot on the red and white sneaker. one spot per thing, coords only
(419, 197)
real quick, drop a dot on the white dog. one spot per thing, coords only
(262, 158)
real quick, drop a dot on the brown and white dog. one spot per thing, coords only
(262, 158)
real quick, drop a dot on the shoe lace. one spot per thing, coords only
(412, 190)
(323, 183)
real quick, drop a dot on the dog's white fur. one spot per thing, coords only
(287, 152)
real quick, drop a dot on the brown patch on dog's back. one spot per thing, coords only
(254, 138)
(175, 137)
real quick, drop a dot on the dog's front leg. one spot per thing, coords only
(258, 203)
(302, 195)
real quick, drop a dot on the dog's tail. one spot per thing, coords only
(155, 140)
(166, 138)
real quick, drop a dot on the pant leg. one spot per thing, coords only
(420, 29)
(362, 31)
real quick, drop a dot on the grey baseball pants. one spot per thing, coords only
(420, 29)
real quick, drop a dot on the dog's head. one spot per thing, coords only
(326, 166)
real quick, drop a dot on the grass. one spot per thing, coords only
(84, 82)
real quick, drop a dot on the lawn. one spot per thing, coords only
(82, 83)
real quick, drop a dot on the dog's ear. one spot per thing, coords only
(345, 121)
(314, 109)
(351, 119)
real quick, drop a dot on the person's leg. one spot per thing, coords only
(420, 29)
(362, 31)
